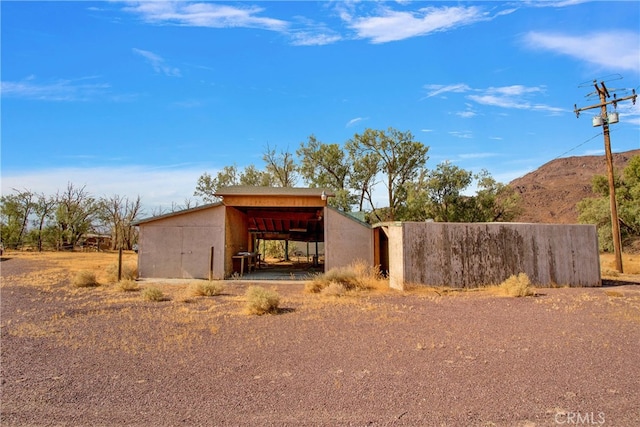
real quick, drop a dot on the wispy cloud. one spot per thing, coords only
(83, 89)
(611, 50)
(354, 121)
(309, 38)
(464, 134)
(513, 97)
(391, 25)
(510, 97)
(436, 90)
(158, 63)
(204, 14)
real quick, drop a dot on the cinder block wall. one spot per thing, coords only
(346, 240)
(179, 246)
(468, 255)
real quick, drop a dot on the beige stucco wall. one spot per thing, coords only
(472, 255)
(346, 240)
(179, 246)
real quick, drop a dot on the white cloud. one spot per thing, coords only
(612, 50)
(306, 38)
(158, 63)
(354, 121)
(392, 25)
(59, 90)
(202, 14)
(158, 187)
(435, 90)
(513, 97)
(465, 134)
(466, 114)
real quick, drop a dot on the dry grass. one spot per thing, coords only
(128, 286)
(515, 286)
(84, 279)
(153, 293)
(358, 276)
(129, 272)
(207, 289)
(261, 301)
(630, 265)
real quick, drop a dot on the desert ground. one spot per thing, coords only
(99, 356)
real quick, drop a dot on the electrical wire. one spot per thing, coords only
(577, 146)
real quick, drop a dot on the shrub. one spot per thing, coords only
(334, 289)
(517, 286)
(129, 272)
(207, 289)
(153, 294)
(261, 301)
(84, 279)
(128, 286)
(356, 276)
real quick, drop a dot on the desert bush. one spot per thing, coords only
(357, 276)
(334, 289)
(207, 289)
(261, 301)
(129, 272)
(84, 279)
(517, 286)
(153, 294)
(128, 286)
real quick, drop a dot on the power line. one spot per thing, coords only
(578, 146)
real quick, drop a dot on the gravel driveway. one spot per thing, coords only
(101, 357)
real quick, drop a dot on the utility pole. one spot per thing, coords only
(604, 119)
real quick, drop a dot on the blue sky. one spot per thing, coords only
(141, 98)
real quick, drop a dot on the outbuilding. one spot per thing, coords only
(221, 240)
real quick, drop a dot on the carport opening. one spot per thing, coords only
(283, 244)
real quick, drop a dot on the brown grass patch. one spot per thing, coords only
(153, 293)
(261, 301)
(84, 279)
(207, 289)
(515, 286)
(128, 286)
(358, 276)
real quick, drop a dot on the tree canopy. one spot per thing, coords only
(356, 170)
(596, 210)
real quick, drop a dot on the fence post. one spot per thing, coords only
(120, 263)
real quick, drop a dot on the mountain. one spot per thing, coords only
(551, 192)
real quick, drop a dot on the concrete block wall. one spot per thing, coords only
(468, 255)
(346, 240)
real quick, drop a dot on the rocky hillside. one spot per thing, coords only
(550, 193)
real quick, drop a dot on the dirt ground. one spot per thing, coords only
(102, 357)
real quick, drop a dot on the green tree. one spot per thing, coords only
(43, 210)
(597, 211)
(445, 186)
(327, 166)
(75, 215)
(395, 155)
(493, 201)
(14, 217)
(207, 185)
